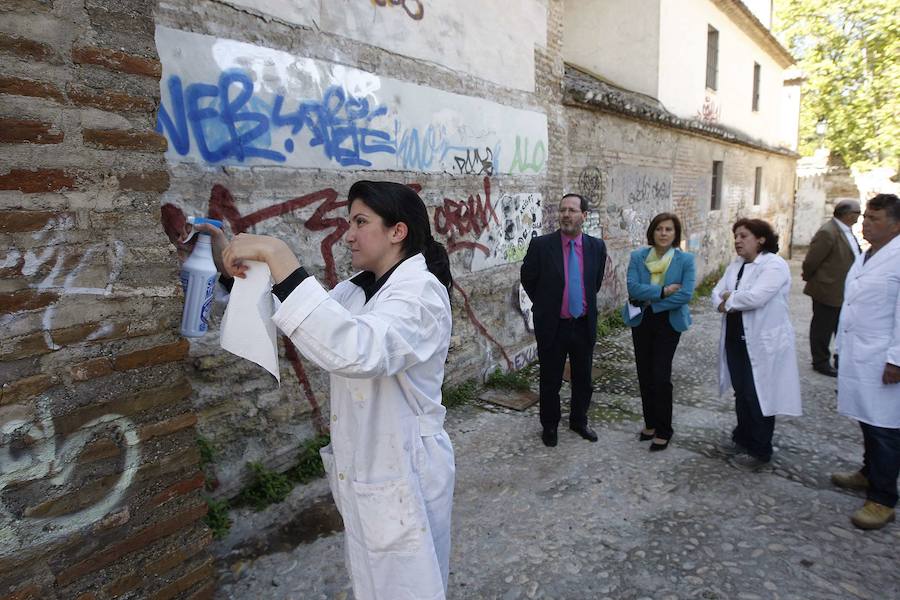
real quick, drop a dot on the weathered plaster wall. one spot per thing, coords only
(99, 481)
(633, 170)
(272, 111)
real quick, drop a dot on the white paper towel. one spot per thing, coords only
(247, 327)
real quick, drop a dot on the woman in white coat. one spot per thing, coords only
(756, 348)
(383, 336)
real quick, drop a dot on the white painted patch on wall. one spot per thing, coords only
(226, 102)
(490, 40)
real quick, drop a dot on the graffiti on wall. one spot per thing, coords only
(525, 307)
(30, 450)
(502, 238)
(525, 160)
(230, 103)
(709, 111)
(520, 221)
(414, 8)
(589, 182)
(64, 270)
(525, 357)
(473, 163)
(475, 224)
(635, 195)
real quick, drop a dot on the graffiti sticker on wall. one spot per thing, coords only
(230, 103)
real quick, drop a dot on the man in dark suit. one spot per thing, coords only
(831, 254)
(561, 273)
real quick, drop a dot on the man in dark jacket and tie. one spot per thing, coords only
(562, 273)
(831, 254)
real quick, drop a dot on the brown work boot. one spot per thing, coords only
(873, 516)
(850, 481)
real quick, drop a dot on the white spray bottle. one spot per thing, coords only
(198, 277)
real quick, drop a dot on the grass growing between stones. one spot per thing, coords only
(609, 323)
(265, 487)
(513, 380)
(309, 462)
(704, 289)
(458, 395)
(217, 518)
(611, 409)
(270, 487)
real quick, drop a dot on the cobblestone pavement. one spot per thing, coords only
(611, 520)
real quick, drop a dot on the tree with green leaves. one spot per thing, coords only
(849, 50)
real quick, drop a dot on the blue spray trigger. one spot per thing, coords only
(198, 221)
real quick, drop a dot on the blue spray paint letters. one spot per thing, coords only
(215, 118)
(228, 122)
(336, 121)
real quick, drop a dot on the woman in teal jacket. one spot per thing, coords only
(660, 284)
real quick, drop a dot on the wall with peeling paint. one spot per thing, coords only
(631, 171)
(271, 112)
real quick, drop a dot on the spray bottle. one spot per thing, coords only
(198, 277)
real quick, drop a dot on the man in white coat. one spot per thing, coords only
(869, 371)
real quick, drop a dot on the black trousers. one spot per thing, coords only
(822, 327)
(575, 341)
(754, 431)
(881, 463)
(655, 342)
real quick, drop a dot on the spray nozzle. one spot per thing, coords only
(198, 221)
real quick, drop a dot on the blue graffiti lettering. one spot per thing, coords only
(228, 122)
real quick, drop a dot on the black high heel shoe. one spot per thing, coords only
(646, 436)
(655, 447)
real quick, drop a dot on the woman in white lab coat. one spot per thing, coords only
(756, 348)
(383, 336)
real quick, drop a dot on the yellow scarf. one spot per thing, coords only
(658, 266)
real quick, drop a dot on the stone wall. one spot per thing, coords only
(460, 101)
(632, 169)
(99, 477)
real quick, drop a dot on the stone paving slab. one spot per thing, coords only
(509, 398)
(610, 520)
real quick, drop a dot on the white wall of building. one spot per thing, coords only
(616, 39)
(491, 40)
(682, 71)
(762, 10)
(789, 115)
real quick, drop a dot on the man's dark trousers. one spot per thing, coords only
(881, 463)
(573, 340)
(822, 327)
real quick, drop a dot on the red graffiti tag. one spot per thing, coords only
(460, 218)
(223, 207)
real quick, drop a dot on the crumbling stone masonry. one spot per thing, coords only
(99, 479)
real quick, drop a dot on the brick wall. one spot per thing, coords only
(99, 491)
(643, 169)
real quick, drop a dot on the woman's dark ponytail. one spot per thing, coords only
(395, 203)
(438, 261)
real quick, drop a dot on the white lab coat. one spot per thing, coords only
(763, 299)
(390, 463)
(868, 337)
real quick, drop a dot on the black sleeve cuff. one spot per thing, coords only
(283, 290)
(226, 281)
